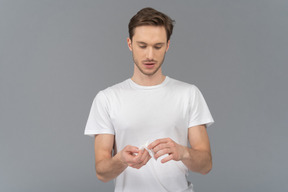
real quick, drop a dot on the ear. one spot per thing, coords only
(129, 42)
(168, 44)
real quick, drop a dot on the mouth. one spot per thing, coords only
(149, 64)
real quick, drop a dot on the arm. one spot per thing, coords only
(197, 158)
(108, 167)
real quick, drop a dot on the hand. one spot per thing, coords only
(133, 157)
(167, 146)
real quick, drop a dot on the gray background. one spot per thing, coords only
(55, 56)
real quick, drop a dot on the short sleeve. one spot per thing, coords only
(199, 113)
(99, 121)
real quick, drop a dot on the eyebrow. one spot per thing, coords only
(141, 42)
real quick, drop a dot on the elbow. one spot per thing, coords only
(101, 178)
(205, 172)
(207, 168)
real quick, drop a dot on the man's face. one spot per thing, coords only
(149, 45)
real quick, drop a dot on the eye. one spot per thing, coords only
(158, 47)
(142, 46)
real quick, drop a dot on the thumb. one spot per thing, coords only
(132, 149)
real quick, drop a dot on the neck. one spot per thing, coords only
(148, 80)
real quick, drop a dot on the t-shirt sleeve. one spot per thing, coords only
(199, 111)
(99, 121)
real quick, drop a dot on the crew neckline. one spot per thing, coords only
(137, 86)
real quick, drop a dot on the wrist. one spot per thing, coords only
(185, 153)
(120, 160)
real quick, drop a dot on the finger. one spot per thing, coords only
(162, 152)
(143, 163)
(144, 155)
(131, 149)
(153, 144)
(137, 158)
(129, 153)
(146, 160)
(160, 147)
(157, 142)
(136, 166)
(166, 159)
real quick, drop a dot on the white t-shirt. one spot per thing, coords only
(138, 114)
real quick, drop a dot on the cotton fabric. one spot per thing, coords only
(136, 114)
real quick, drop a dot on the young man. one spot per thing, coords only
(142, 126)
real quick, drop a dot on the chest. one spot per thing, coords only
(150, 112)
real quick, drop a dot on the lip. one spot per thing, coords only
(149, 65)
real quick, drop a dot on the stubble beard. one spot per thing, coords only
(148, 73)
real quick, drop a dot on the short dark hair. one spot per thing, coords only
(150, 16)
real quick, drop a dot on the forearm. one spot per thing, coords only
(197, 161)
(109, 168)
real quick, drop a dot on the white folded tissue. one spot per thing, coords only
(145, 146)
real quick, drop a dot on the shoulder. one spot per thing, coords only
(181, 85)
(184, 89)
(114, 90)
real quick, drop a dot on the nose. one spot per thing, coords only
(149, 53)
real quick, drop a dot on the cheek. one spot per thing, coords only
(161, 54)
(140, 53)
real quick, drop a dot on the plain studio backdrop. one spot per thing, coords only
(55, 55)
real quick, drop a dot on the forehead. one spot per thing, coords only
(150, 34)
